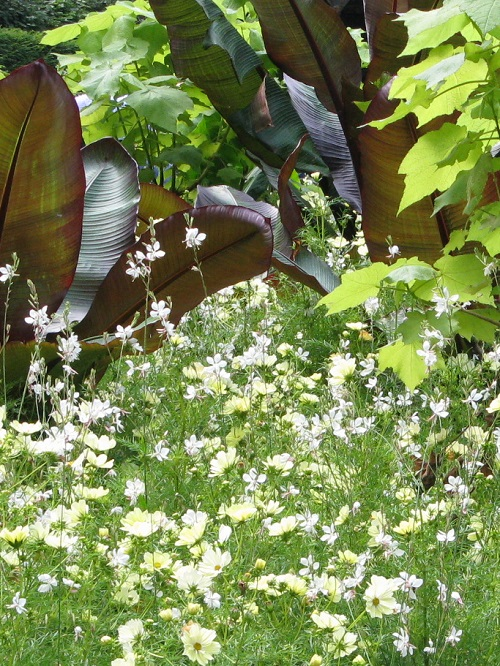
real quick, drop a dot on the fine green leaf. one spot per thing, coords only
(405, 362)
(356, 287)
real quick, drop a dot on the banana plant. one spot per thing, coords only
(70, 215)
(308, 41)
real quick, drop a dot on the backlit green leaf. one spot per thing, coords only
(405, 362)
(356, 287)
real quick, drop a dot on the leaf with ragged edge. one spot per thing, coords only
(109, 221)
(309, 269)
(42, 185)
(238, 246)
(217, 59)
(405, 362)
(328, 136)
(356, 287)
(484, 231)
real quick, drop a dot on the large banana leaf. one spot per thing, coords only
(327, 135)
(416, 231)
(208, 50)
(42, 185)
(238, 246)
(303, 266)
(308, 41)
(109, 220)
(157, 203)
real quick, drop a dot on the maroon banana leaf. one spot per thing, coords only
(42, 186)
(238, 246)
(416, 231)
(207, 49)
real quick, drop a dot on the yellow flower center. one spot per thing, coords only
(197, 646)
(376, 601)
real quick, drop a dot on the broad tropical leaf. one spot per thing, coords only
(416, 230)
(328, 136)
(42, 185)
(209, 51)
(109, 220)
(157, 203)
(308, 269)
(303, 267)
(309, 42)
(238, 246)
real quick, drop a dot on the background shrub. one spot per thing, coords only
(43, 15)
(19, 47)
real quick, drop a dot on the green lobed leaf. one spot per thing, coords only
(160, 105)
(405, 362)
(484, 13)
(479, 323)
(431, 28)
(356, 287)
(462, 275)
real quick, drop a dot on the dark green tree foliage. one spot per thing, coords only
(19, 47)
(43, 14)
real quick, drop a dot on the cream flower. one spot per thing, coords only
(213, 561)
(199, 643)
(379, 596)
(240, 512)
(142, 523)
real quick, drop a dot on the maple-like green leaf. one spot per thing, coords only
(462, 275)
(421, 166)
(484, 13)
(431, 28)
(356, 287)
(480, 323)
(405, 362)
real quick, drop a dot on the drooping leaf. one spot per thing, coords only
(238, 246)
(42, 185)
(109, 220)
(327, 135)
(157, 203)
